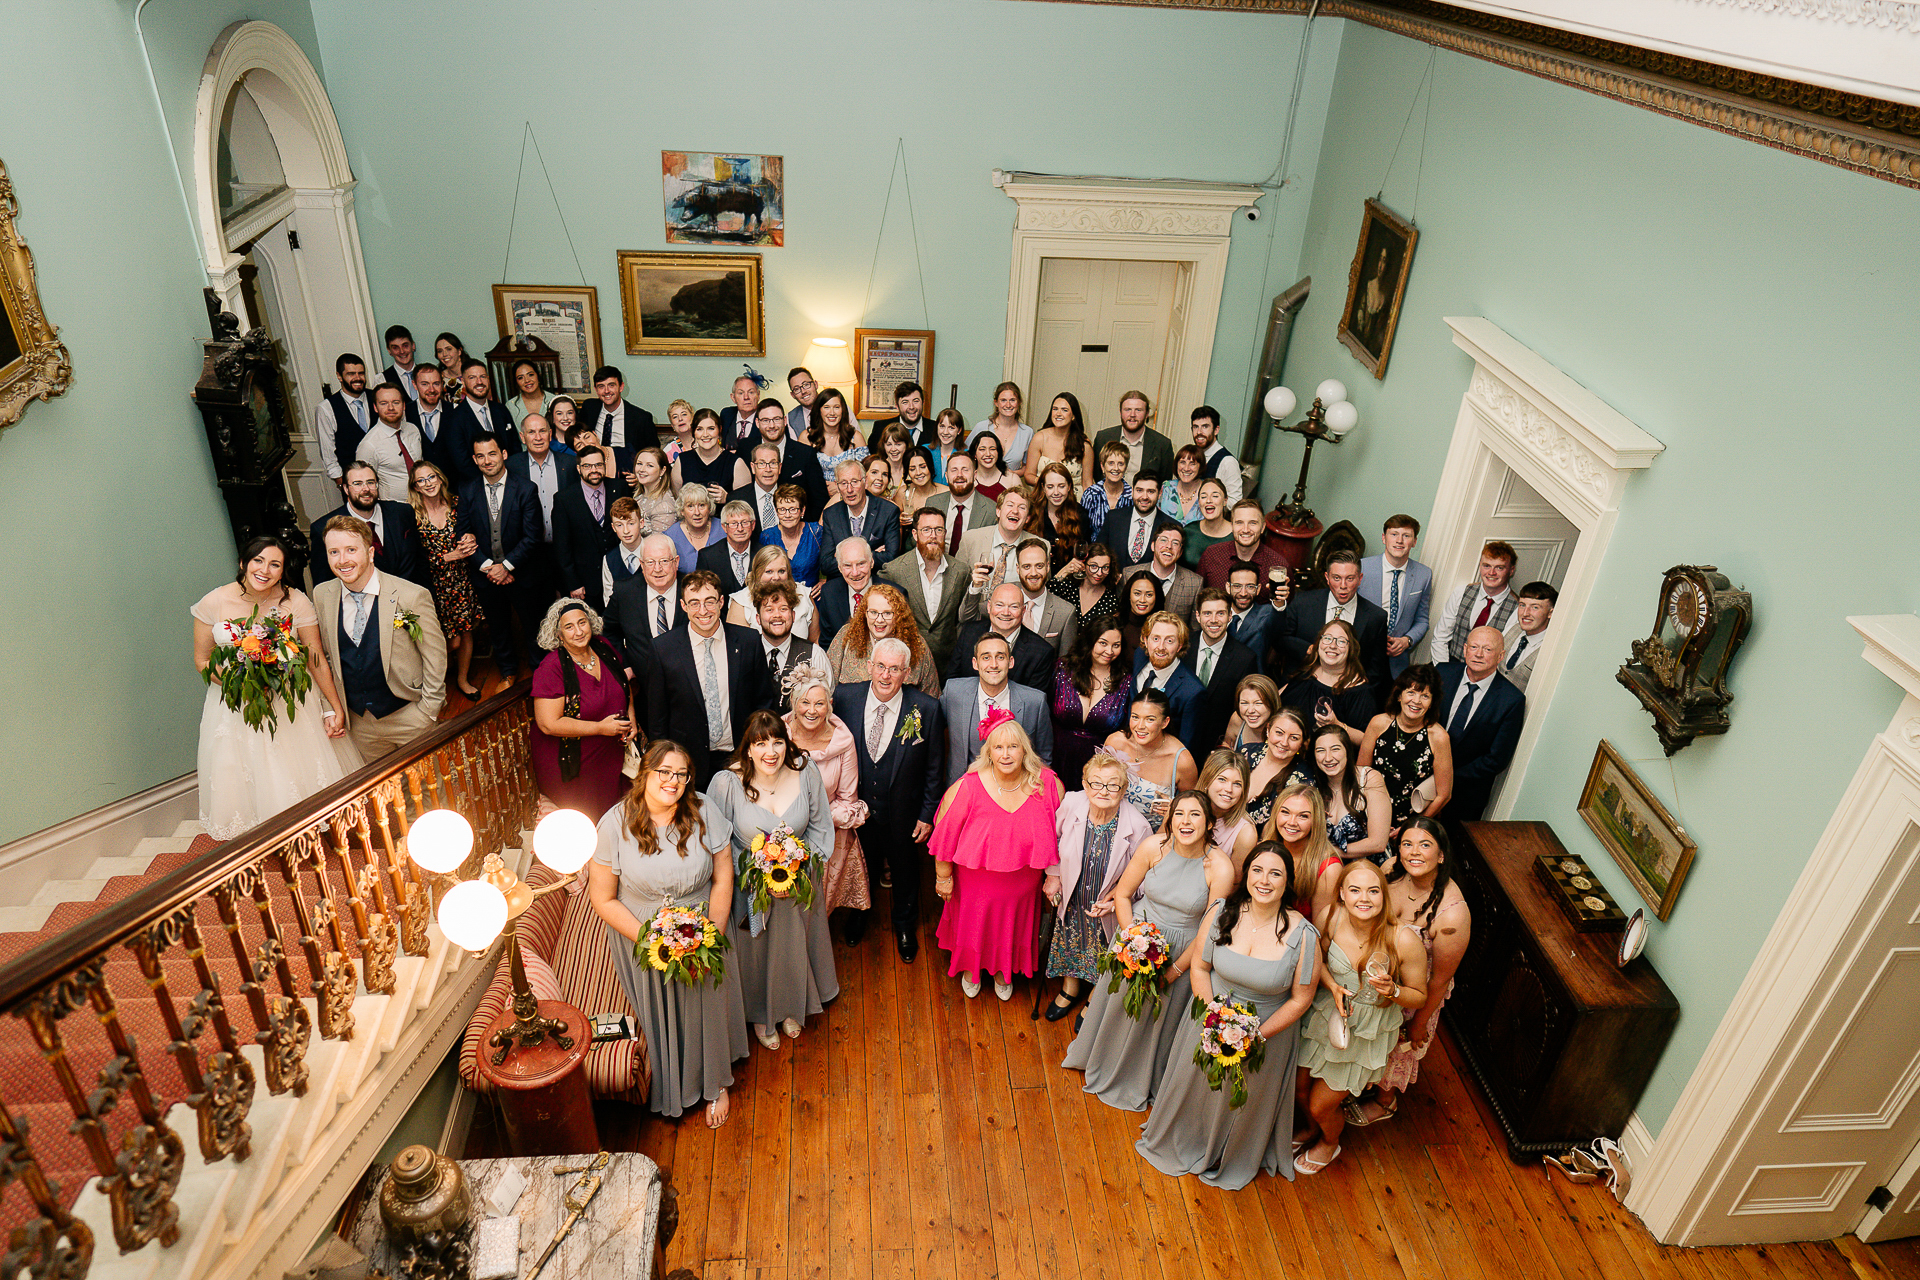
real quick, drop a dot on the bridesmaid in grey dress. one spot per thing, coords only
(1256, 949)
(694, 1034)
(1124, 1059)
(785, 958)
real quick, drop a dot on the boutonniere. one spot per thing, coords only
(909, 731)
(408, 621)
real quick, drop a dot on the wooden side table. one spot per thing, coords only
(542, 1088)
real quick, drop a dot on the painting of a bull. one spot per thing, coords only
(716, 198)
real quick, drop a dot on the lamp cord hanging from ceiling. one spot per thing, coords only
(899, 167)
(514, 214)
(1426, 83)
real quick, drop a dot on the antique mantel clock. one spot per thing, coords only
(1679, 673)
(243, 406)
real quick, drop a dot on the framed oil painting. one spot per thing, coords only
(33, 363)
(1653, 849)
(692, 304)
(716, 198)
(1377, 285)
(565, 317)
(882, 360)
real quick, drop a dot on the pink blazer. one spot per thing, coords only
(1071, 823)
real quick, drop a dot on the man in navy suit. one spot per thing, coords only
(1219, 663)
(706, 679)
(799, 461)
(400, 372)
(477, 414)
(583, 525)
(897, 732)
(501, 512)
(429, 413)
(624, 428)
(1157, 666)
(1129, 530)
(1483, 712)
(859, 514)
(731, 558)
(1402, 587)
(396, 538)
(1307, 612)
(1252, 619)
(841, 594)
(737, 420)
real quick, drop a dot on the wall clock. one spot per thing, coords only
(1679, 672)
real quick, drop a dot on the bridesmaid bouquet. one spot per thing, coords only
(779, 865)
(1230, 1044)
(258, 663)
(1136, 957)
(683, 944)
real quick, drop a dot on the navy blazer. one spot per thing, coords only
(1186, 693)
(904, 786)
(1484, 747)
(836, 609)
(799, 464)
(521, 528)
(1255, 631)
(400, 551)
(1119, 522)
(1034, 660)
(459, 426)
(880, 527)
(638, 430)
(1217, 703)
(579, 541)
(716, 560)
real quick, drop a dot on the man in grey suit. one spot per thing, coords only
(964, 702)
(383, 642)
(1041, 612)
(1179, 585)
(1402, 587)
(993, 545)
(932, 586)
(964, 507)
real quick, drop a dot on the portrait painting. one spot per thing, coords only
(34, 365)
(691, 304)
(715, 198)
(1377, 285)
(1653, 849)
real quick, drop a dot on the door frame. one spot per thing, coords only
(1521, 412)
(1186, 223)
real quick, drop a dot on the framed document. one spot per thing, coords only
(565, 317)
(885, 358)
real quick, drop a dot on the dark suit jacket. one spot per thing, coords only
(1115, 533)
(716, 560)
(400, 551)
(521, 529)
(640, 430)
(391, 376)
(1236, 663)
(461, 425)
(799, 464)
(904, 786)
(1186, 693)
(730, 433)
(921, 432)
(1034, 660)
(1156, 453)
(1256, 631)
(676, 708)
(1301, 621)
(629, 630)
(836, 608)
(1484, 748)
(581, 542)
(880, 526)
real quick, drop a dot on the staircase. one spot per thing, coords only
(207, 1046)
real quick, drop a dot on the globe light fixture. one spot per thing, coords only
(440, 841)
(1330, 418)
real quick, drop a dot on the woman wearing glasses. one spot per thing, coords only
(1098, 834)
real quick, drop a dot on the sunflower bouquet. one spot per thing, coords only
(779, 864)
(1137, 957)
(257, 663)
(1230, 1044)
(683, 944)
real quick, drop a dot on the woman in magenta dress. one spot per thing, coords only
(993, 838)
(582, 713)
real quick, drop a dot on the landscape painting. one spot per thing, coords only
(715, 198)
(1653, 849)
(691, 304)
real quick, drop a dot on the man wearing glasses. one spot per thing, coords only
(799, 461)
(801, 383)
(729, 558)
(705, 680)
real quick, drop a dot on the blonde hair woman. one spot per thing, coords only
(653, 492)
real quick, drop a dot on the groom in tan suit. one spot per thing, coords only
(393, 684)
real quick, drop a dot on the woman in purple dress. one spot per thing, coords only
(582, 713)
(1090, 694)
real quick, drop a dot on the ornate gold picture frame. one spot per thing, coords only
(1649, 844)
(1377, 285)
(691, 304)
(33, 364)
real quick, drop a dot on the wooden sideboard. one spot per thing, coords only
(1561, 1039)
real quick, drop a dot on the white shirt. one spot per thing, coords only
(1135, 451)
(326, 426)
(1228, 473)
(613, 423)
(1001, 700)
(933, 585)
(376, 518)
(652, 610)
(546, 478)
(430, 421)
(1200, 658)
(889, 717)
(1347, 613)
(380, 449)
(1152, 677)
(1441, 632)
(1030, 613)
(1459, 694)
(717, 643)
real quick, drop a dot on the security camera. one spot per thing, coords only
(1253, 213)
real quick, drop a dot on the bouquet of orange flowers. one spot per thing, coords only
(1230, 1044)
(1137, 957)
(779, 864)
(683, 944)
(259, 662)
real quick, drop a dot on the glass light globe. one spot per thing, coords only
(440, 840)
(1340, 418)
(1279, 403)
(1330, 392)
(564, 840)
(472, 914)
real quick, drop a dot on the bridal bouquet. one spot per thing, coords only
(778, 865)
(1230, 1044)
(1136, 957)
(259, 662)
(683, 944)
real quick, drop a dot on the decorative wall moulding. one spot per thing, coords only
(1119, 206)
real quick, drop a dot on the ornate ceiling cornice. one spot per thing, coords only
(1854, 131)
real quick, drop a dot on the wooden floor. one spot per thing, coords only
(911, 1132)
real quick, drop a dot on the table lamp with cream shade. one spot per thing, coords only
(830, 361)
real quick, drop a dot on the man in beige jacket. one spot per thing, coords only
(383, 642)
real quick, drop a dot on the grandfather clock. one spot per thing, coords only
(244, 408)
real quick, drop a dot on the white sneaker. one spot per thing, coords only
(970, 983)
(1003, 988)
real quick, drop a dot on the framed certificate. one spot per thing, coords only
(565, 317)
(885, 358)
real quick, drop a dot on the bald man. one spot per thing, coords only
(646, 606)
(1034, 660)
(1482, 712)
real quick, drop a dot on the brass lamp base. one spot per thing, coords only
(528, 1027)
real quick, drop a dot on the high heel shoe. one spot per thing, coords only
(1619, 1169)
(1568, 1163)
(791, 1027)
(767, 1036)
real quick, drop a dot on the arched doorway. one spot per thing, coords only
(274, 204)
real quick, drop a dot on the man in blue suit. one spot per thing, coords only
(1251, 622)
(1158, 666)
(859, 514)
(396, 537)
(1402, 587)
(502, 513)
(1483, 712)
(476, 414)
(900, 781)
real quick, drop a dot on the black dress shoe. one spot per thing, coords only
(909, 944)
(856, 927)
(1079, 1021)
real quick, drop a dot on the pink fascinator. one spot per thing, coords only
(993, 720)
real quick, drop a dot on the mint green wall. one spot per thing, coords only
(1753, 311)
(1042, 87)
(113, 525)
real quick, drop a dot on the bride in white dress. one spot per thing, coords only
(248, 775)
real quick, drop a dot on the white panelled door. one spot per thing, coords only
(1102, 329)
(1541, 537)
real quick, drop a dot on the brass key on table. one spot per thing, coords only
(578, 1197)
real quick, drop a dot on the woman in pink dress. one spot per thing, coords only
(827, 740)
(993, 838)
